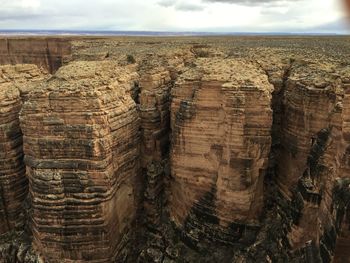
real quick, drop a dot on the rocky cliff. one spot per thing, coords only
(314, 148)
(221, 123)
(14, 83)
(48, 53)
(83, 163)
(175, 150)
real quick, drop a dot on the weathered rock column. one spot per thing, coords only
(221, 122)
(15, 82)
(81, 141)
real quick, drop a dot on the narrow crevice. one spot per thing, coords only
(151, 242)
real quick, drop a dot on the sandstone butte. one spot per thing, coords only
(222, 149)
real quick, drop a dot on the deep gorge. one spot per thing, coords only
(195, 150)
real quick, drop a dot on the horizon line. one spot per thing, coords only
(164, 32)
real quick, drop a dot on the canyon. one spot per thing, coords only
(175, 149)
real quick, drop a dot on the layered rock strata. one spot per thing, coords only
(157, 75)
(318, 152)
(154, 112)
(15, 83)
(98, 165)
(48, 53)
(13, 183)
(308, 156)
(83, 163)
(221, 124)
(154, 107)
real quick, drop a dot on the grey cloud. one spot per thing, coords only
(188, 7)
(166, 3)
(276, 15)
(65, 15)
(181, 6)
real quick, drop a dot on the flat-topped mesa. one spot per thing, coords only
(48, 53)
(221, 123)
(81, 144)
(14, 83)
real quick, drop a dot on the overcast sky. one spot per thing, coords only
(175, 15)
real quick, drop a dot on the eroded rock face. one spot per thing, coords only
(314, 149)
(157, 76)
(83, 163)
(258, 132)
(154, 105)
(309, 103)
(48, 53)
(307, 159)
(15, 82)
(13, 181)
(221, 123)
